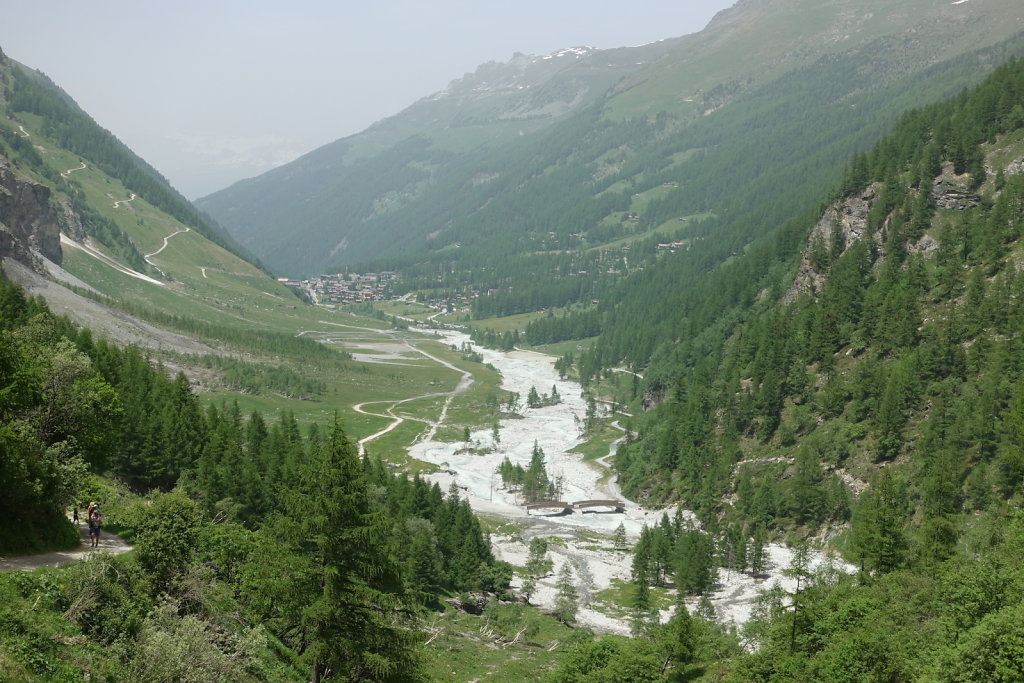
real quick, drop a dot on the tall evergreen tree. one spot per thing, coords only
(352, 620)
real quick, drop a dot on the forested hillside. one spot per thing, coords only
(869, 397)
(903, 325)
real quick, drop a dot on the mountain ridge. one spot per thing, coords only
(312, 214)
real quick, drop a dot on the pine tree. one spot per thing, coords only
(643, 615)
(642, 560)
(877, 526)
(808, 498)
(1012, 453)
(758, 555)
(352, 620)
(619, 541)
(678, 640)
(567, 598)
(705, 608)
(590, 424)
(535, 482)
(532, 398)
(799, 569)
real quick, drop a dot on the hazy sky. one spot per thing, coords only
(212, 91)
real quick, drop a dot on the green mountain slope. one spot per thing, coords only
(387, 166)
(871, 399)
(448, 200)
(124, 234)
(892, 339)
(868, 399)
(706, 70)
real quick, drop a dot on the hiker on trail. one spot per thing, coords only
(95, 522)
(74, 515)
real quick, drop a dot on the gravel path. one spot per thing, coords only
(109, 543)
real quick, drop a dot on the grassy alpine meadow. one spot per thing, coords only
(201, 280)
(598, 442)
(573, 346)
(414, 388)
(349, 383)
(419, 410)
(617, 600)
(509, 323)
(392, 447)
(405, 309)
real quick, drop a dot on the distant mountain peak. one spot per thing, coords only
(576, 52)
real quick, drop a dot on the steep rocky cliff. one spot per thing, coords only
(840, 226)
(28, 220)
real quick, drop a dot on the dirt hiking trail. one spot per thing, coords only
(109, 543)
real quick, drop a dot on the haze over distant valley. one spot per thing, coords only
(213, 93)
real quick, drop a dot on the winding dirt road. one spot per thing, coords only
(166, 239)
(65, 174)
(464, 383)
(132, 199)
(162, 247)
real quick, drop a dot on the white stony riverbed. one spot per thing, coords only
(582, 538)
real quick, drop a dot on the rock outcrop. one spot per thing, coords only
(1015, 167)
(951, 191)
(28, 220)
(850, 218)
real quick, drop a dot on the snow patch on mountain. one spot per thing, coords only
(574, 51)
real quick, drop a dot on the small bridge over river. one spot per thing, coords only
(564, 508)
(615, 505)
(561, 506)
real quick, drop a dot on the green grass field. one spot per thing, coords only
(508, 323)
(598, 442)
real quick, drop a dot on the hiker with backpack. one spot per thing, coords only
(95, 522)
